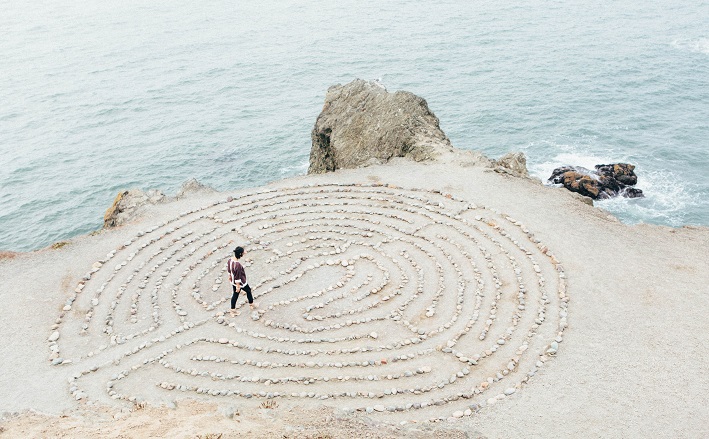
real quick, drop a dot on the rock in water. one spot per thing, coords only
(363, 124)
(606, 181)
(622, 172)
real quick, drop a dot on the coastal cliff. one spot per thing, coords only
(446, 297)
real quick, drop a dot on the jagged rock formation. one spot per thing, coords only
(606, 181)
(513, 163)
(363, 124)
(191, 187)
(127, 205)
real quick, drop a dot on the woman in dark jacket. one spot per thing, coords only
(237, 278)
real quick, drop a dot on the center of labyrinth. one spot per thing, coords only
(371, 298)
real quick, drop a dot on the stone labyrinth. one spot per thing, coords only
(371, 298)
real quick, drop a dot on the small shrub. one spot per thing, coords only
(269, 404)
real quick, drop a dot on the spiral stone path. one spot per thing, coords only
(404, 303)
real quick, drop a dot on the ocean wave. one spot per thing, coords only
(545, 156)
(295, 169)
(667, 200)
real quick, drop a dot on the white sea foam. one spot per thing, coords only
(295, 169)
(544, 169)
(699, 45)
(667, 197)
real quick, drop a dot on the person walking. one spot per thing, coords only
(237, 279)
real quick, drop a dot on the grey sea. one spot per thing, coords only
(100, 96)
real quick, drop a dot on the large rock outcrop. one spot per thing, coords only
(192, 187)
(606, 181)
(362, 124)
(513, 163)
(128, 204)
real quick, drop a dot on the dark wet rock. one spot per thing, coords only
(631, 192)
(362, 124)
(622, 172)
(556, 174)
(606, 181)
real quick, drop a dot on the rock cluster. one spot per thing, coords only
(362, 123)
(607, 181)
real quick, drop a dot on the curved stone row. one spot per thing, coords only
(373, 298)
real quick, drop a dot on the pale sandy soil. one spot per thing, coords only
(203, 420)
(632, 363)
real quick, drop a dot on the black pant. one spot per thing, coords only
(235, 296)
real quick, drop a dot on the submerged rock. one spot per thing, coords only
(606, 181)
(363, 124)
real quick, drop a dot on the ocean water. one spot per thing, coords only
(100, 96)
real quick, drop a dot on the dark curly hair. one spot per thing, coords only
(239, 252)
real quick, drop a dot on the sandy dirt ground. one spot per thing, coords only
(482, 305)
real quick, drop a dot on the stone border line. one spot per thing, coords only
(372, 298)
